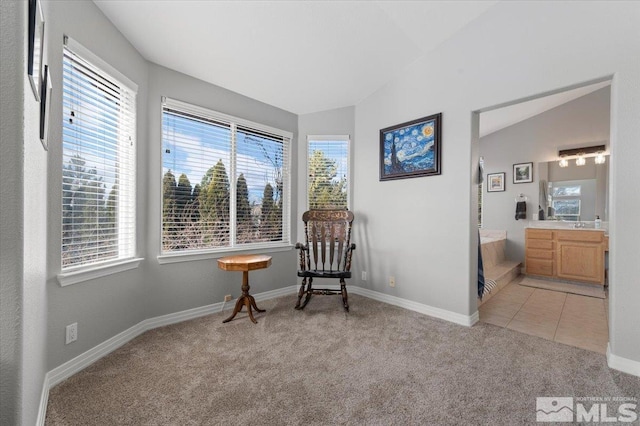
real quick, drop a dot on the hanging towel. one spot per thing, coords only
(480, 171)
(481, 282)
(485, 285)
(521, 210)
(543, 197)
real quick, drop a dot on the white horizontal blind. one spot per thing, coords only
(98, 165)
(225, 181)
(261, 168)
(328, 172)
(195, 184)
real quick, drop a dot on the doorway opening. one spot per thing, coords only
(531, 210)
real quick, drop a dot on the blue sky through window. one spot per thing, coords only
(192, 146)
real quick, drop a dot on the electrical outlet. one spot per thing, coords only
(227, 298)
(364, 275)
(392, 281)
(72, 333)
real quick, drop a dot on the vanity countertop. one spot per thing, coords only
(568, 226)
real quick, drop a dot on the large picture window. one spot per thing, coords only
(225, 181)
(98, 161)
(328, 172)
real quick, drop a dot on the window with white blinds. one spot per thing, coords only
(98, 161)
(328, 172)
(225, 181)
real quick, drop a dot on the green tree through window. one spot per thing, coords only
(242, 173)
(327, 182)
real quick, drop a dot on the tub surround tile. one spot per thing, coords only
(493, 233)
(502, 275)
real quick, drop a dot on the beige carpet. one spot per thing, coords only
(581, 289)
(377, 365)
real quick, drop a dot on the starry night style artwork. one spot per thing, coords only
(411, 149)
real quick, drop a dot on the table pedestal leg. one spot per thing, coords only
(245, 300)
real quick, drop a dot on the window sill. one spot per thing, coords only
(209, 254)
(86, 274)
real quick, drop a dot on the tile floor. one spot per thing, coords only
(566, 318)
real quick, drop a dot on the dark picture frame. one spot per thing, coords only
(36, 47)
(411, 149)
(45, 106)
(523, 173)
(496, 182)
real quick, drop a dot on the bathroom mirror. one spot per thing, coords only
(575, 193)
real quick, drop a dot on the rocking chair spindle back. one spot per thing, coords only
(326, 253)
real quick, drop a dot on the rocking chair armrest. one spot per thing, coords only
(352, 246)
(300, 246)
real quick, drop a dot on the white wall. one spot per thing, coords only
(22, 225)
(420, 230)
(102, 307)
(580, 122)
(340, 121)
(107, 306)
(424, 230)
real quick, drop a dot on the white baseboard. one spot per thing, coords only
(276, 293)
(87, 358)
(625, 365)
(466, 320)
(44, 400)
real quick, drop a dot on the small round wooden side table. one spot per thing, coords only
(244, 263)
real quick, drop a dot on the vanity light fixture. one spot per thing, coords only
(580, 154)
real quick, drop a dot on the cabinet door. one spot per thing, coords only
(580, 262)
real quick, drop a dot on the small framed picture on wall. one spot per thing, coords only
(45, 106)
(36, 41)
(523, 173)
(495, 182)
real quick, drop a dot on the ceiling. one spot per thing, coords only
(305, 56)
(300, 56)
(497, 119)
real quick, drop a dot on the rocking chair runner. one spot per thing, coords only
(326, 253)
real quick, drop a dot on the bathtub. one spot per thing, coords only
(490, 235)
(497, 269)
(492, 244)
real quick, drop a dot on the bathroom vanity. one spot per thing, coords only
(566, 253)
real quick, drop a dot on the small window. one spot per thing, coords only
(565, 200)
(98, 161)
(566, 191)
(328, 172)
(567, 209)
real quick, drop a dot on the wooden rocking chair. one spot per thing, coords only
(326, 253)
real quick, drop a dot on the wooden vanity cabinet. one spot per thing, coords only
(575, 255)
(580, 256)
(540, 252)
